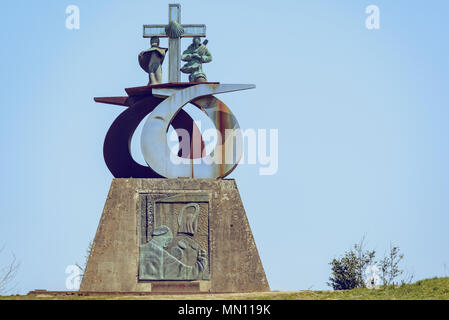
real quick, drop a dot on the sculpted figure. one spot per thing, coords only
(158, 264)
(151, 61)
(195, 55)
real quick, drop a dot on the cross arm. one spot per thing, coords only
(158, 30)
(154, 30)
(194, 30)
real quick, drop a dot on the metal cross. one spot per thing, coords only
(174, 47)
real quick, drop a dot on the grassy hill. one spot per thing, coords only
(430, 289)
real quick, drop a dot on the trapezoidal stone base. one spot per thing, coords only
(174, 236)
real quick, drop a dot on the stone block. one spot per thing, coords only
(208, 243)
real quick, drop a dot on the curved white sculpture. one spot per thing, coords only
(228, 151)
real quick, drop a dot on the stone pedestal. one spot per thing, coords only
(174, 236)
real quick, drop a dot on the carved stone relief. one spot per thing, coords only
(174, 237)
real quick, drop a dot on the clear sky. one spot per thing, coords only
(362, 118)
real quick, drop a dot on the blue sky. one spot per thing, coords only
(362, 118)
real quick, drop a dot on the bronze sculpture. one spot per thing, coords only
(151, 61)
(195, 55)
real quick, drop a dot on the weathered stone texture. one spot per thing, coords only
(235, 264)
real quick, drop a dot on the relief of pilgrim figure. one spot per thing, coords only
(158, 264)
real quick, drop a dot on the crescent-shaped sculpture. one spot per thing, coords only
(156, 151)
(163, 104)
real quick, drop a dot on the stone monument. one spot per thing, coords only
(175, 225)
